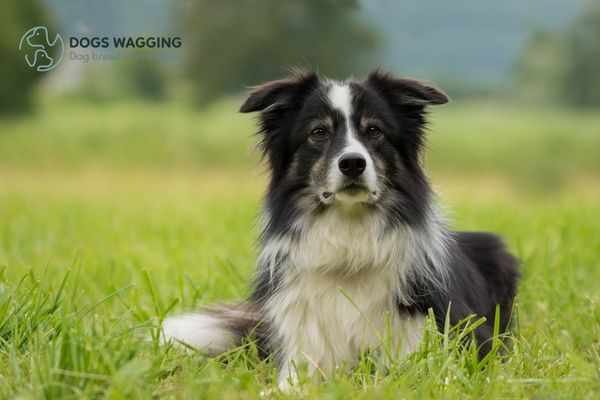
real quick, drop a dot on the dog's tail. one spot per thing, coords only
(212, 330)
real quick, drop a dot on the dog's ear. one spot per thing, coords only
(406, 91)
(279, 93)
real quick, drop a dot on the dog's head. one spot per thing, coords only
(349, 144)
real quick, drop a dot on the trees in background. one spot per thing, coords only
(564, 67)
(233, 44)
(17, 80)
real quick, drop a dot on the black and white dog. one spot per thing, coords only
(354, 249)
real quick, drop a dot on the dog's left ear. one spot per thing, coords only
(279, 93)
(406, 91)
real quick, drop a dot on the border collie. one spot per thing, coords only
(354, 250)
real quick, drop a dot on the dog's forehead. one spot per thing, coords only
(345, 99)
(352, 98)
(339, 96)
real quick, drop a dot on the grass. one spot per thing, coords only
(109, 224)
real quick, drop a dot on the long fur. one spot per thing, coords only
(347, 254)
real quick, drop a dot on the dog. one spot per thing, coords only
(354, 250)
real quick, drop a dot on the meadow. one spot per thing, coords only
(113, 216)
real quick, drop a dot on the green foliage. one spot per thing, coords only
(17, 79)
(581, 82)
(135, 77)
(144, 78)
(562, 67)
(534, 146)
(235, 44)
(148, 81)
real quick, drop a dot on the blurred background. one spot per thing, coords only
(523, 77)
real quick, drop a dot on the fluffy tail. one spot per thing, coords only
(213, 330)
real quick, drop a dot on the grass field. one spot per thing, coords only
(114, 216)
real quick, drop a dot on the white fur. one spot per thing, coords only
(340, 98)
(326, 321)
(349, 251)
(201, 331)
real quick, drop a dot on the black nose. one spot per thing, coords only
(352, 164)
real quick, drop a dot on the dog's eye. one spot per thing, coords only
(318, 134)
(373, 131)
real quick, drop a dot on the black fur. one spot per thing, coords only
(483, 273)
(470, 272)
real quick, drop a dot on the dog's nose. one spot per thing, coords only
(352, 164)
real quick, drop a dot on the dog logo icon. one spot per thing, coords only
(38, 48)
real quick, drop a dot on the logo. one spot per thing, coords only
(38, 47)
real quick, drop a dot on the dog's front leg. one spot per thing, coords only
(288, 377)
(293, 361)
(289, 369)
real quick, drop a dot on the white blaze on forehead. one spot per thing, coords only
(340, 97)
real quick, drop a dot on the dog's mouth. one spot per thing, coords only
(352, 192)
(353, 189)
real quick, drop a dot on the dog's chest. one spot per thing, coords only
(347, 246)
(329, 319)
(339, 292)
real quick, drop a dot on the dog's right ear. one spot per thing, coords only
(279, 93)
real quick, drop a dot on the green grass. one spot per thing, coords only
(542, 147)
(111, 219)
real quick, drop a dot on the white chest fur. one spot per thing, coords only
(325, 321)
(338, 295)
